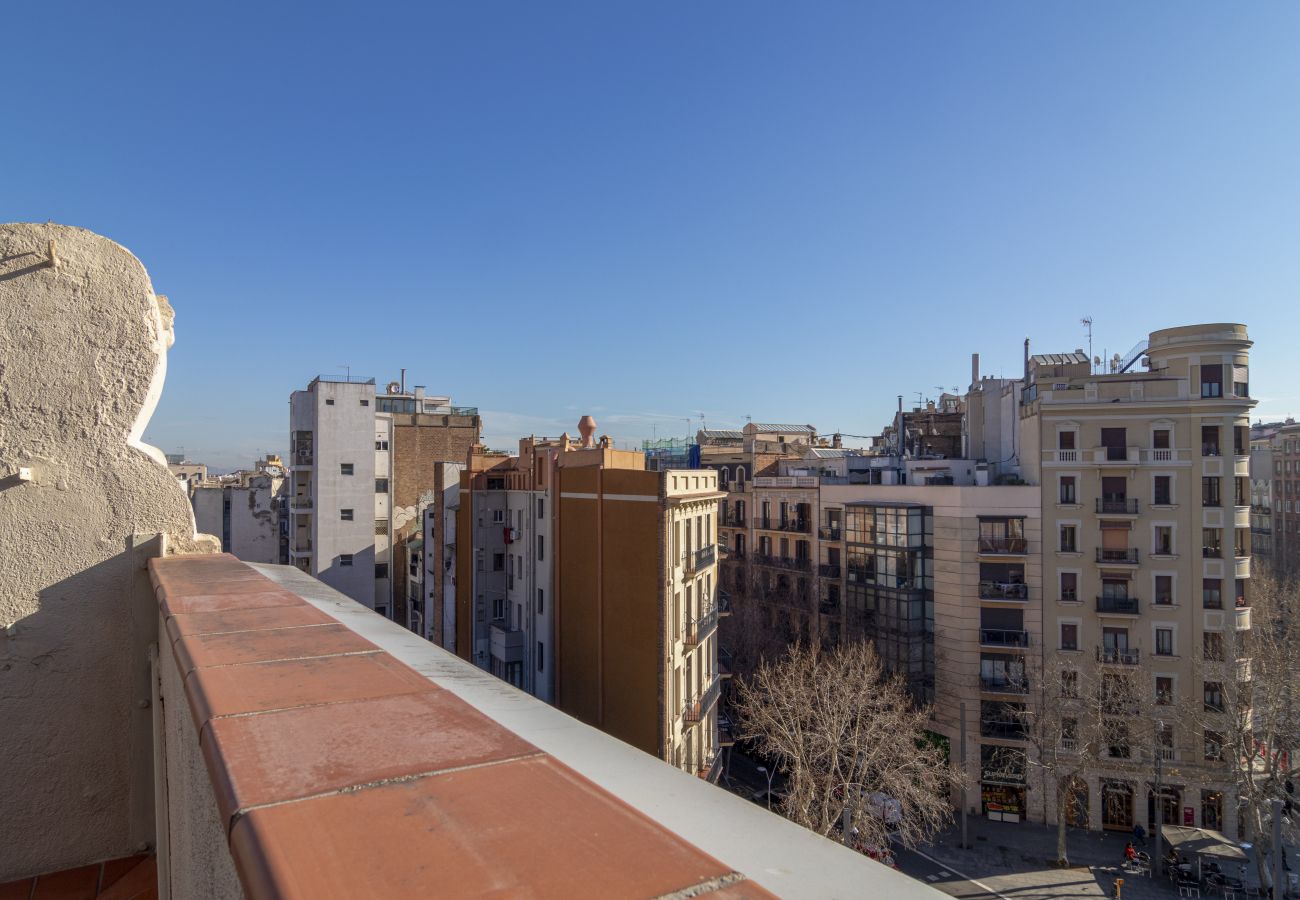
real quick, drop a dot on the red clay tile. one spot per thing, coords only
(231, 620)
(115, 869)
(203, 650)
(72, 884)
(524, 828)
(300, 752)
(136, 883)
(16, 890)
(256, 687)
(186, 603)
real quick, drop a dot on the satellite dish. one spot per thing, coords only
(1096, 360)
(394, 387)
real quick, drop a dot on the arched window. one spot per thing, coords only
(740, 476)
(724, 476)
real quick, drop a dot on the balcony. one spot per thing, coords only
(298, 725)
(697, 629)
(507, 643)
(1115, 456)
(1003, 729)
(1002, 637)
(783, 562)
(695, 710)
(829, 570)
(732, 521)
(1126, 606)
(1003, 546)
(299, 504)
(798, 526)
(300, 547)
(829, 533)
(1118, 656)
(1004, 684)
(1125, 557)
(1117, 506)
(1003, 590)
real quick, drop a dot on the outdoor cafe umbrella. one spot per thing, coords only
(1202, 842)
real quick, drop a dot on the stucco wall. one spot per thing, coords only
(83, 346)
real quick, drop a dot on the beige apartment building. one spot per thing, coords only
(591, 583)
(1146, 549)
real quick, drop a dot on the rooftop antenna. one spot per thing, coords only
(346, 368)
(1086, 322)
(703, 424)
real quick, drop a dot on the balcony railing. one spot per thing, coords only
(697, 629)
(300, 503)
(1003, 637)
(1214, 552)
(1118, 506)
(696, 710)
(1003, 684)
(301, 545)
(1125, 605)
(1003, 590)
(733, 521)
(1127, 556)
(829, 532)
(783, 562)
(1118, 656)
(694, 560)
(829, 570)
(1005, 729)
(302, 457)
(1004, 546)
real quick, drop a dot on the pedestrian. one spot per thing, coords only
(1130, 854)
(1139, 835)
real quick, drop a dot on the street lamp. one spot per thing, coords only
(769, 775)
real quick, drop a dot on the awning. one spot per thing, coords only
(1202, 842)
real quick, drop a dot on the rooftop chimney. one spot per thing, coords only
(974, 369)
(587, 428)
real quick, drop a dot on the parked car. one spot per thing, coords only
(885, 808)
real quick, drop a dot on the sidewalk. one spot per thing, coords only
(1017, 860)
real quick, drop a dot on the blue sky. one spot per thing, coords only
(650, 211)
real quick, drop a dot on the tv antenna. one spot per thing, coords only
(1086, 322)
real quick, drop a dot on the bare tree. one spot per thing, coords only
(1249, 715)
(1090, 715)
(842, 731)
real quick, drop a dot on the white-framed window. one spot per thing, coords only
(1164, 588)
(1068, 533)
(1068, 489)
(1163, 489)
(1070, 633)
(1165, 688)
(1164, 634)
(498, 516)
(1164, 538)
(1068, 581)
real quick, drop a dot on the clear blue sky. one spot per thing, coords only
(648, 211)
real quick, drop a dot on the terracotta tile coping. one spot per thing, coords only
(342, 772)
(128, 878)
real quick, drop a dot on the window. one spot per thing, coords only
(499, 608)
(1213, 745)
(1211, 380)
(381, 570)
(1212, 593)
(345, 515)
(1210, 491)
(1160, 439)
(345, 468)
(1214, 696)
(1065, 440)
(1164, 690)
(1162, 495)
(540, 504)
(1213, 646)
(1164, 642)
(1069, 636)
(498, 563)
(345, 559)
(1068, 494)
(329, 401)
(1070, 684)
(381, 445)
(1212, 543)
(541, 602)
(498, 516)
(1069, 587)
(1164, 590)
(541, 548)
(1164, 541)
(1069, 542)
(1209, 440)
(1115, 440)
(541, 656)
(1241, 440)
(1241, 542)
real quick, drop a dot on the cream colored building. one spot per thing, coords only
(1146, 540)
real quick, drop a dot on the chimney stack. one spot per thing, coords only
(1026, 358)
(974, 369)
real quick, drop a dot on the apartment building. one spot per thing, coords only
(1280, 470)
(360, 462)
(1145, 480)
(248, 511)
(590, 582)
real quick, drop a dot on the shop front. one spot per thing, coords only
(1002, 783)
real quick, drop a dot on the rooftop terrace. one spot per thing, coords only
(215, 729)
